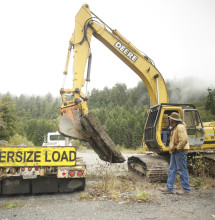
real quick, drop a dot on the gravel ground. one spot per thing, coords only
(200, 204)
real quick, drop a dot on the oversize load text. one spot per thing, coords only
(37, 157)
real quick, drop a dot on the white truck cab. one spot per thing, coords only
(56, 139)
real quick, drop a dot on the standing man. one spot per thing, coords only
(178, 160)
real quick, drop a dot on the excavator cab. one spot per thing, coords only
(157, 122)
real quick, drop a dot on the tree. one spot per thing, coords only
(2, 123)
(118, 94)
(210, 104)
(36, 129)
(7, 118)
(137, 135)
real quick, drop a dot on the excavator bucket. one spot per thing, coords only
(70, 125)
(88, 128)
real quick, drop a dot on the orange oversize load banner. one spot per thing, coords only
(37, 156)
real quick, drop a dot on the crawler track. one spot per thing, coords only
(154, 166)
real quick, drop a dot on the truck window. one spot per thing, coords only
(56, 137)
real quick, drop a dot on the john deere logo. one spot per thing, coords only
(126, 51)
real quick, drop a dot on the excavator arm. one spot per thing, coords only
(86, 25)
(74, 110)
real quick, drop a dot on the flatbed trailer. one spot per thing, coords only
(26, 170)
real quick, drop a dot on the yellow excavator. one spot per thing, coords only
(77, 122)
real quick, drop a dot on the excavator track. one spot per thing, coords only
(155, 167)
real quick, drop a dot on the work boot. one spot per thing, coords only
(165, 190)
(182, 192)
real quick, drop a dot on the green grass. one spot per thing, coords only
(10, 205)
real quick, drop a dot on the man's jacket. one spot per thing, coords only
(179, 139)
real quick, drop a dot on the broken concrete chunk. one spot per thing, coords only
(100, 140)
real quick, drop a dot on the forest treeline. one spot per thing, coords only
(121, 111)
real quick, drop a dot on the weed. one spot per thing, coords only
(85, 196)
(199, 166)
(102, 198)
(200, 182)
(141, 150)
(121, 188)
(197, 181)
(92, 176)
(142, 197)
(125, 150)
(10, 205)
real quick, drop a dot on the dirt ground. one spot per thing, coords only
(200, 204)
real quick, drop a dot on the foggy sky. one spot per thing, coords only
(178, 35)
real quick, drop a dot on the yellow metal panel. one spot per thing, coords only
(81, 49)
(159, 124)
(37, 156)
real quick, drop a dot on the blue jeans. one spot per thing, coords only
(178, 163)
(164, 136)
